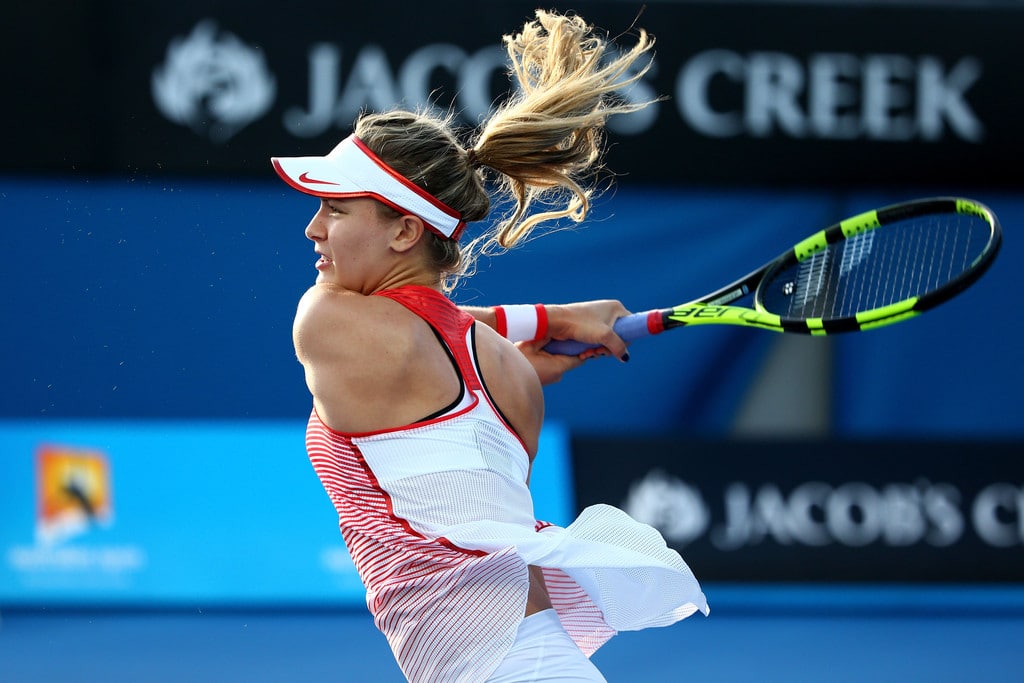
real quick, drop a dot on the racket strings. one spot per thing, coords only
(877, 268)
(811, 279)
(855, 251)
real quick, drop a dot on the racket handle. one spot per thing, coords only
(628, 327)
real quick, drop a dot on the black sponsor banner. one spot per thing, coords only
(755, 92)
(829, 511)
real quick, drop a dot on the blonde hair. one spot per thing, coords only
(545, 142)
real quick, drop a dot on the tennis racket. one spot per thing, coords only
(871, 270)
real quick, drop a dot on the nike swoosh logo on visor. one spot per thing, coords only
(313, 181)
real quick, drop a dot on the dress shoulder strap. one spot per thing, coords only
(451, 323)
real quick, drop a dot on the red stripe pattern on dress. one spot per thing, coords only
(415, 584)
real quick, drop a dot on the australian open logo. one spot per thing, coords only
(213, 83)
(75, 546)
(74, 492)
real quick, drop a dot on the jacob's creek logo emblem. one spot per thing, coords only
(74, 492)
(671, 505)
(213, 83)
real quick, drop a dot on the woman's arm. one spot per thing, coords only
(586, 321)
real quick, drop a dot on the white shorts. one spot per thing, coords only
(543, 651)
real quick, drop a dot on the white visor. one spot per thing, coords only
(352, 170)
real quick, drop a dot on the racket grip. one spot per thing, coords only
(629, 327)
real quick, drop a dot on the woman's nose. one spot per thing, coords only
(314, 231)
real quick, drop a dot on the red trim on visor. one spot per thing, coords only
(423, 194)
(412, 186)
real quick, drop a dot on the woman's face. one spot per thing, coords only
(351, 236)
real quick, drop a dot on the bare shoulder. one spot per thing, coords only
(330, 321)
(369, 362)
(322, 309)
(512, 383)
(501, 357)
(321, 299)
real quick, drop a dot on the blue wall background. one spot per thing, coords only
(167, 298)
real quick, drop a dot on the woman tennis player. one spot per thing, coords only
(426, 416)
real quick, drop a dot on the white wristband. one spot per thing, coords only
(522, 322)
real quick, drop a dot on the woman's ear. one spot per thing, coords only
(409, 231)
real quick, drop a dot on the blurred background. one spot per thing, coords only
(854, 505)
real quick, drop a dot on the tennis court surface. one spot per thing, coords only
(792, 634)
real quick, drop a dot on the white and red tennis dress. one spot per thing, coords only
(439, 522)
